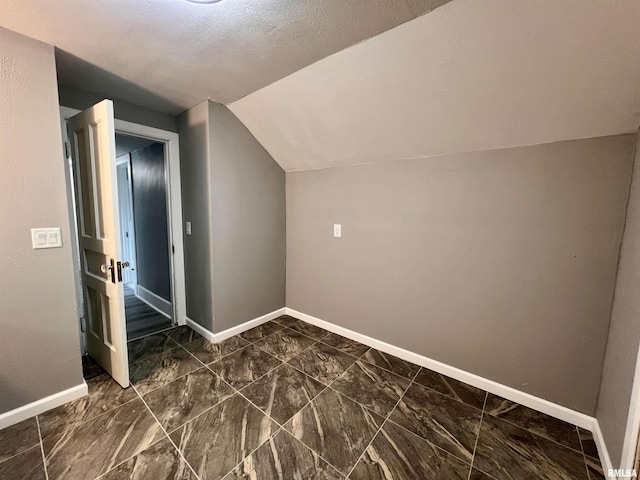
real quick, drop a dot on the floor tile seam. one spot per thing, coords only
(80, 423)
(153, 333)
(343, 351)
(21, 452)
(453, 398)
(251, 342)
(310, 376)
(179, 377)
(302, 408)
(287, 360)
(167, 435)
(252, 452)
(338, 376)
(234, 391)
(313, 449)
(44, 458)
(303, 334)
(163, 352)
(287, 432)
(537, 435)
(263, 412)
(475, 446)
(382, 424)
(253, 381)
(466, 461)
(586, 466)
(185, 349)
(128, 458)
(386, 369)
(410, 381)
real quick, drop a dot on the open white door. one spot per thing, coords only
(92, 138)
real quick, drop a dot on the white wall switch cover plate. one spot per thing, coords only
(337, 230)
(46, 238)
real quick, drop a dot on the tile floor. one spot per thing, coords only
(288, 400)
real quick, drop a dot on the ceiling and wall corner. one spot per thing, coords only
(169, 55)
(471, 75)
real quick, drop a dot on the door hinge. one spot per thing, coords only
(67, 152)
(83, 325)
(173, 249)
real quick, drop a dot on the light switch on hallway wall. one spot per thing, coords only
(188, 228)
(337, 230)
(46, 238)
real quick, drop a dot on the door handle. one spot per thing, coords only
(104, 268)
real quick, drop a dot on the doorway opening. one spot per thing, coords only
(142, 202)
(125, 205)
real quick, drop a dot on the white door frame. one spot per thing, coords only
(174, 204)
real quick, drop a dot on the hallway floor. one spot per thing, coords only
(288, 400)
(141, 318)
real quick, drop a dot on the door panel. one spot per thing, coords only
(92, 138)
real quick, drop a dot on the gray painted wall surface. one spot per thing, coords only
(234, 195)
(196, 208)
(39, 338)
(501, 263)
(150, 219)
(249, 219)
(81, 100)
(624, 331)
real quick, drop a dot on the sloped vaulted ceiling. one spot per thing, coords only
(169, 55)
(471, 75)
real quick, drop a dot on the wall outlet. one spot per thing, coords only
(46, 238)
(337, 230)
(188, 228)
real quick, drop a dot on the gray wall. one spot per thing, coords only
(150, 219)
(81, 100)
(248, 198)
(234, 195)
(196, 208)
(39, 338)
(501, 263)
(624, 332)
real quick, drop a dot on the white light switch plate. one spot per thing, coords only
(46, 238)
(188, 228)
(337, 230)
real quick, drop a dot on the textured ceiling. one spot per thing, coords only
(471, 75)
(171, 54)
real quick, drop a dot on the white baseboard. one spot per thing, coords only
(603, 453)
(40, 406)
(526, 399)
(209, 335)
(230, 332)
(156, 302)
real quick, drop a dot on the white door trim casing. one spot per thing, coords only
(174, 201)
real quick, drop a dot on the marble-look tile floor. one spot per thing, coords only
(288, 400)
